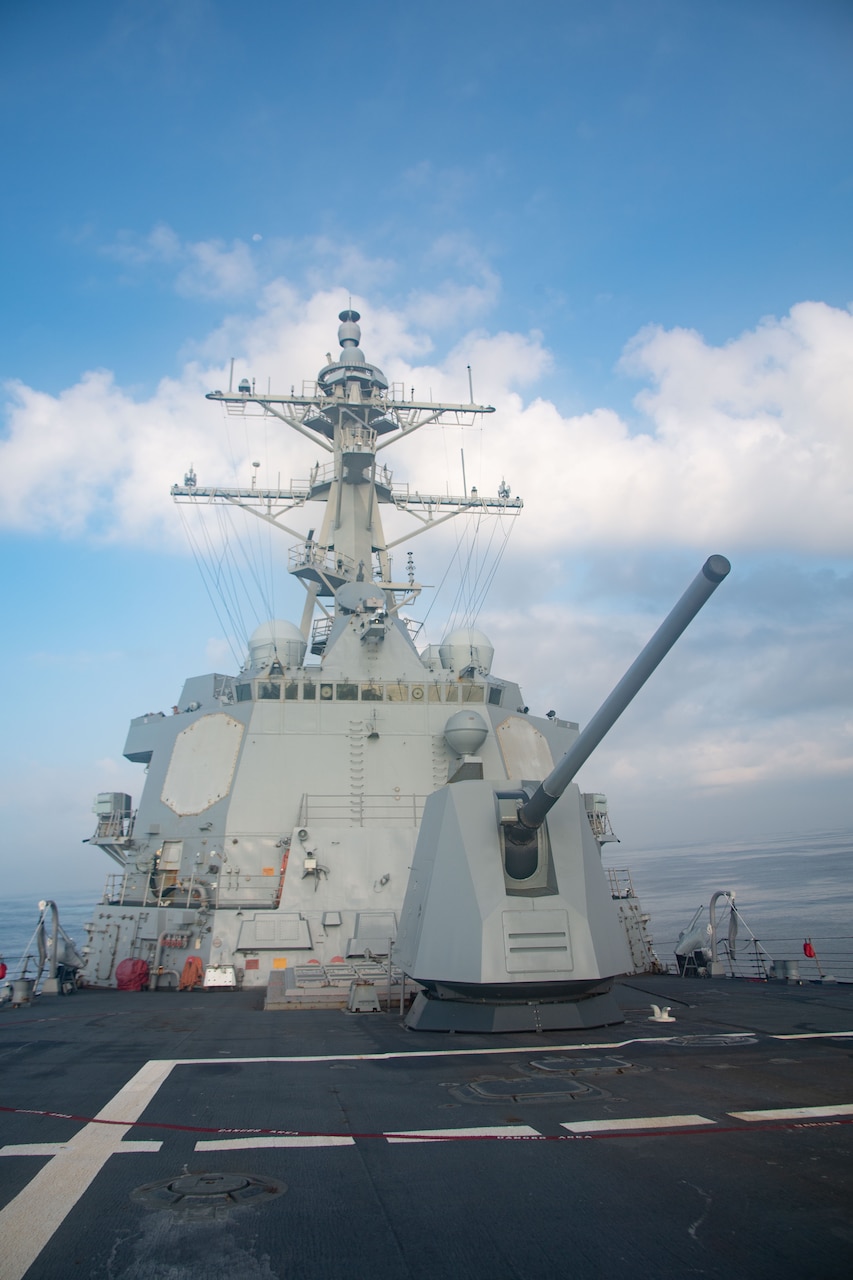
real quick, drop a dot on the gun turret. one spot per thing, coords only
(533, 812)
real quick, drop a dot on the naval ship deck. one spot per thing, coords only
(172, 1135)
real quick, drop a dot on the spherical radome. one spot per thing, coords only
(465, 732)
(466, 647)
(276, 639)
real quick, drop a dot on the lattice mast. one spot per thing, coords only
(351, 414)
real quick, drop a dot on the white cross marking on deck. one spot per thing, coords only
(54, 1148)
(29, 1221)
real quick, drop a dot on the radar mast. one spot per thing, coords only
(351, 413)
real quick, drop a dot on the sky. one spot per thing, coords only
(633, 220)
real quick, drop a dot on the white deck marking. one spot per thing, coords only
(445, 1135)
(599, 1046)
(283, 1140)
(795, 1113)
(416, 1054)
(636, 1122)
(54, 1148)
(29, 1221)
(815, 1035)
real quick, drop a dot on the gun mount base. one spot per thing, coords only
(495, 1017)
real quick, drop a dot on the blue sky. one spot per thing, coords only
(632, 219)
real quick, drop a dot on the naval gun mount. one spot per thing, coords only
(508, 922)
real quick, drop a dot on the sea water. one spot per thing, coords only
(19, 914)
(788, 888)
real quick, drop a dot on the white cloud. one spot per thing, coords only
(205, 268)
(215, 271)
(743, 446)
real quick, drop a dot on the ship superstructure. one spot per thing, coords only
(281, 806)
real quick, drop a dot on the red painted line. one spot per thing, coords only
(785, 1126)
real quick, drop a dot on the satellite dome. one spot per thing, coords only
(465, 732)
(465, 648)
(276, 639)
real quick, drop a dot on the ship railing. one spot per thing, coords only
(833, 956)
(321, 630)
(750, 960)
(235, 889)
(245, 409)
(403, 496)
(321, 473)
(358, 439)
(413, 627)
(306, 554)
(621, 884)
(781, 957)
(324, 473)
(364, 810)
(114, 889)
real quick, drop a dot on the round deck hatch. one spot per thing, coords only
(202, 1194)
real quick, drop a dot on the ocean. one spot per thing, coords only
(788, 888)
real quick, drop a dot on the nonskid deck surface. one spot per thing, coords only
(333, 1144)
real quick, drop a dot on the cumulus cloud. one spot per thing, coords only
(746, 444)
(743, 448)
(95, 461)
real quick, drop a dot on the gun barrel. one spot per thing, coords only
(715, 569)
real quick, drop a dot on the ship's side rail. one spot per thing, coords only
(261, 892)
(782, 956)
(398, 809)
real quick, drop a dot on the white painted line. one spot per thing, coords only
(636, 1122)
(601, 1046)
(54, 1148)
(816, 1035)
(416, 1054)
(33, 1149)
(29, 1221)
(795, 1113)
(268, 1140)
(444, 1135)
